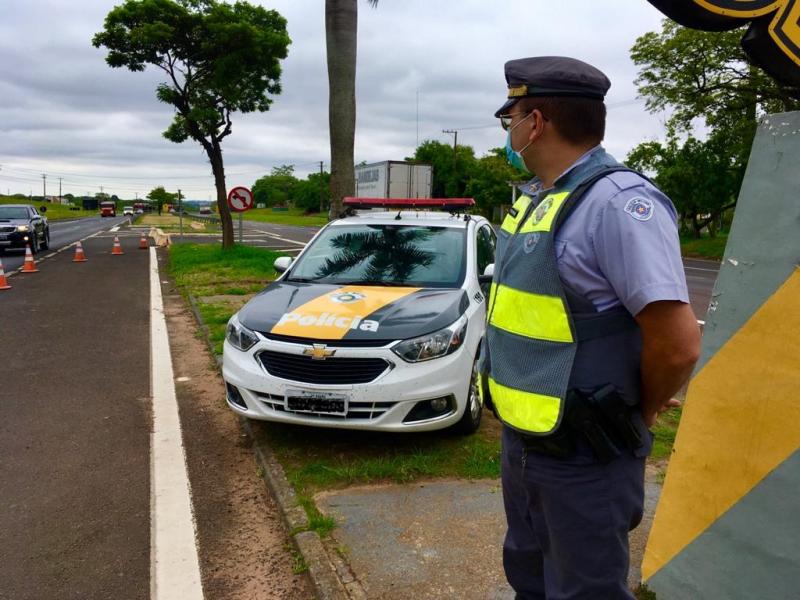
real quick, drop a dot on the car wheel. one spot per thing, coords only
(471, 419)
(46, 240)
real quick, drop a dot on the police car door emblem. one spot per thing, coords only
(640, 208)
(530, 242)
(346, 297)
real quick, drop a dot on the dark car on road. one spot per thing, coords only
(20, 225)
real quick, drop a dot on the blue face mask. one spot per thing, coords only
(514, 157)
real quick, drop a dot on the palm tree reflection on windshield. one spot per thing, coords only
(390, 254)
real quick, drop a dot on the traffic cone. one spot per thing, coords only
(117, 248)
(3, 283)
(30, 265)
(79, 255)
(143, 243)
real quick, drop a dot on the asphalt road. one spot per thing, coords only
(75, 426)
(62, 233)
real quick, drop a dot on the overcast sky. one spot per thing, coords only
(65, 113)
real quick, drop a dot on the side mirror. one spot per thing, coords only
(488, 274)
(42, 209)
(282, 263)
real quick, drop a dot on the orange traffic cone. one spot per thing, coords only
(117, 248)
(143, 243)
(3, 283)
(79, 255)
(30, 265)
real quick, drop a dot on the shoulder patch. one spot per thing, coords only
(640, 208)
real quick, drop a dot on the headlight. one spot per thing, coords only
(240, 336)
(434, 345)
(23, 228)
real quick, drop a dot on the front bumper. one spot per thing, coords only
(16, 239)
(383, 404)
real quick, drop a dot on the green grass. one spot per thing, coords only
(289, 217)
(704, 247)
(208, 270)
(55, 212)
(664, 430)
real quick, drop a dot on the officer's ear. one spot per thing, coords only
(537, 124)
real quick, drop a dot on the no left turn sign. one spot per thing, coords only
(240, 199)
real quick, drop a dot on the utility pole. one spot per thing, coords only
(321, 190)
(60, 199)
(417, 119)
(44, 187)
(455, 146)
(180, 214)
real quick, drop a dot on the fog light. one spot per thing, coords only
(439, 404)
(234, 396)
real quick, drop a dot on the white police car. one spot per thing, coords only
(376, 324)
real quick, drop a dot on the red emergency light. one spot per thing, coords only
(410, 203)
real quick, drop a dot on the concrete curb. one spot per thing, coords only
(321, 570)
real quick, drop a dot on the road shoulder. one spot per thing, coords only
(244, 546)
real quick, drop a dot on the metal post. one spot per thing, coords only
(180, 216)
(240, 228)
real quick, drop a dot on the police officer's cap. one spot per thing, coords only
(552, 76)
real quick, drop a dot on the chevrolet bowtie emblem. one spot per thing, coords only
(319, 352)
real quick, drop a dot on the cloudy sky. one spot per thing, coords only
(65, 113)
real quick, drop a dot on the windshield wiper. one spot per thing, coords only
(375, 283)
(301, 280)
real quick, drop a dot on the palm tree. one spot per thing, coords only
(390, 254)
(341, 29)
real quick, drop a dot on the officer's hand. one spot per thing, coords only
(650, 419)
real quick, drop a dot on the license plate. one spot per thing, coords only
(321, 403)
(3, 236)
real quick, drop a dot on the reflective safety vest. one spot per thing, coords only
(542, 338)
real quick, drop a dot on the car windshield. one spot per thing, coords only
(384, 255)
(13, 212)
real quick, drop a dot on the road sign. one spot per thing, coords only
(240, 199)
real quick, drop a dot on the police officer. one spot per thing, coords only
(589, 336)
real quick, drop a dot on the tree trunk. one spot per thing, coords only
(218, 169)
(341, 26)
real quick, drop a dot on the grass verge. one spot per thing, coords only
(287, 217)
(55, 212)
(220, 280)
(704, 247)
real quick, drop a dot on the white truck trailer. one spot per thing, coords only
(393, 179)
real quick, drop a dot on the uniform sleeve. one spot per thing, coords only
(637, 247)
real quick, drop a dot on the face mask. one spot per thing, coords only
(515, 158)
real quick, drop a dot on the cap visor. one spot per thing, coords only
(503, 110)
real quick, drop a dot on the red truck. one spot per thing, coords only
(108, 209)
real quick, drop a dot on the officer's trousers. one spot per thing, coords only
(568, 522)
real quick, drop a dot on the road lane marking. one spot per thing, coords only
(174, 566)
(278, 237)
(113, 229)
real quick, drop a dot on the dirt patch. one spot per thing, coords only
(244, 549)
(234, 299)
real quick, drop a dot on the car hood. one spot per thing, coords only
(15, 221)
(353, 312)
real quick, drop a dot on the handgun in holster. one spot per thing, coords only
(582, 417)
(616, 414)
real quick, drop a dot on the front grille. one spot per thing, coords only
(334, 370)
(356, 411)
(7, 229)
(330, 343)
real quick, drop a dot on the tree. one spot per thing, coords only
(277, 188)
(702, 77)
(701, 177)
(341, 28)
(489, 181)
(309, 192)
(219, 59)
(161, 197)
(450, 176)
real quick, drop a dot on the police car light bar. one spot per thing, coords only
(410, 203)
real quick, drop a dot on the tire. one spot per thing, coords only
(46, 240)
(471, 419)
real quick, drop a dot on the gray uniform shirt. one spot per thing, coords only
(620, 245)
